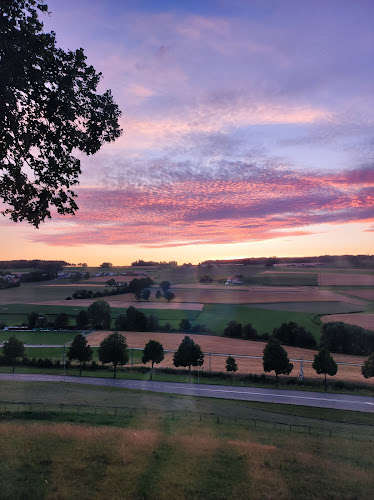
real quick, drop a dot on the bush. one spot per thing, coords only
(296, 335)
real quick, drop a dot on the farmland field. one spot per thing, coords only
(238, 347)
(363, 320)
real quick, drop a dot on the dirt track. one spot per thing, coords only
(219, 345)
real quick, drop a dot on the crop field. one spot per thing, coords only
(35, 292)
(222, 347)
(363, 320)
(180, 456)
(346, 279)
(364, 294)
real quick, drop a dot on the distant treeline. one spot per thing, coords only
(335, 336)
(140, 262)
(45, 265)
(134, 286)
(366, 261)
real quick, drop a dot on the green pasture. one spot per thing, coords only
(216, 317)
(58, 338)
(202, 448)
(312, 307)
(16, 314)
(41, 291)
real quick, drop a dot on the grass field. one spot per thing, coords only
(58, 338)
(217, 317)
(180, 457)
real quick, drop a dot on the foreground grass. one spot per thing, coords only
(142, 456)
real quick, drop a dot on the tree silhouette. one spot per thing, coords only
(13, 349)
(275, 358)
(324, 363)
(48, 109)
(113, 349)
(154, 352)
(188, 354)
(80, 350)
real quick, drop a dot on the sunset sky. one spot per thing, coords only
(248, 131)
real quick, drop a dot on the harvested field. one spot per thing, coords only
(118, 278)
(249, 295)
(345, 279)
(364, 294)
(84, 285)
(124, 304)
(235, 347)
(364, 320)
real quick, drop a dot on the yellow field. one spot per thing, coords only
(364, 320)
(234, 347)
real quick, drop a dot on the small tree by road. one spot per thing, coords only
(368, 366)
(231, 366)
(61, 321)
(82, 320)
(113, 349)
(276, 358)
(13, 349)
(188, 354)
(146, 294)
(324, 363)
(184, 325)
(154, 352)
(80, 350)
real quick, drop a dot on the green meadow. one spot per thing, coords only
(129, 445)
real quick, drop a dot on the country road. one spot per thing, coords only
(303, 398)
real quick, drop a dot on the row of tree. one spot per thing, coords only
(113, 349)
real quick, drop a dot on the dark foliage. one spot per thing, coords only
(347, 339)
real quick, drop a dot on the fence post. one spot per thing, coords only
(290, 427)
(309, 430)
(115, 412)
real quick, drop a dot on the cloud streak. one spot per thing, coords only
(224, 204)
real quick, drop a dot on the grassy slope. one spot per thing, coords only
(153, 457)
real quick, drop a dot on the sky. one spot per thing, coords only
(247, 132)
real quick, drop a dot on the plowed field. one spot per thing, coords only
(364, 320)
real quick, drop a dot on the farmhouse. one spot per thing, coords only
(233, 280)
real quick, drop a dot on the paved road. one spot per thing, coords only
(322, 400)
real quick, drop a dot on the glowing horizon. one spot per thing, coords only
(247, 132)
